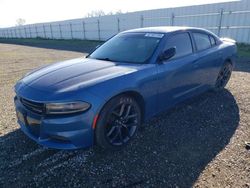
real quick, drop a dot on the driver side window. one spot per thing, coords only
(182, 43)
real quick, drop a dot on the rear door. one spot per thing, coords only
(209, 58)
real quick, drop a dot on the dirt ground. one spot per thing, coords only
(197, 144)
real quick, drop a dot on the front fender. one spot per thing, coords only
(143, 82)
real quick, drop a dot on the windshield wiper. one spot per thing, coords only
(104, 59)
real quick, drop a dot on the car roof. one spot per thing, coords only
(163, 29)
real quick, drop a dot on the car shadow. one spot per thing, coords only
(171, 151)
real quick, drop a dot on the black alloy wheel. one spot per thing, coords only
(118, 122)
(224, 76)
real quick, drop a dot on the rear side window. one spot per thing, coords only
(202, 41)
(182, 43)
(212, 40)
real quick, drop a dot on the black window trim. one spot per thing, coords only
(211, 36)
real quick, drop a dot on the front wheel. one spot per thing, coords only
(223, 77)
(118, 122)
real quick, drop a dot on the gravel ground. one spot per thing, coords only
(199, 143)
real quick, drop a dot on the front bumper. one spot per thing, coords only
(60, 132)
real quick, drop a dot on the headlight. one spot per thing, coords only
(66, 108)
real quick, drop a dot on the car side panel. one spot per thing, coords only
(176, 80)
(207, 65)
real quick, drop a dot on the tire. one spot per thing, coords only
(118, 123)
(223, 77)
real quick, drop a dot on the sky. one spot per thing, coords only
(37, 11)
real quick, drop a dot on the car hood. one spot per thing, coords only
(75, 74)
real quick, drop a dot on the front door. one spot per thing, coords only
(176, 76)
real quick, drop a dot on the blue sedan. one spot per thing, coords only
(105, 97)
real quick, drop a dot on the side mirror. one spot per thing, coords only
(167, 54)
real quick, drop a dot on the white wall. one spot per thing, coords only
(231, 19)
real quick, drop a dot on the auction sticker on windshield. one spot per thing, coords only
(155, 35)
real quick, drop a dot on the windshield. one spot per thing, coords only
(128, 47)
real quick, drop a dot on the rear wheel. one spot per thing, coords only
(223, 77)
(118, 122)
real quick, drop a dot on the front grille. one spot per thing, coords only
(33, 106)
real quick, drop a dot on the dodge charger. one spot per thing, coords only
(105, 97)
